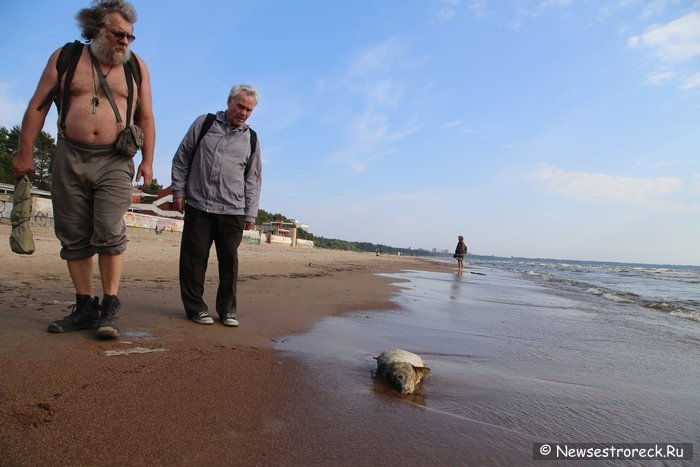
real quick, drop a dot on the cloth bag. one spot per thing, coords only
(129, 141)
(21, 238)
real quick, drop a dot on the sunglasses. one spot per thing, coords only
(120, 36)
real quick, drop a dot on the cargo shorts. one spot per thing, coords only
(91, 187)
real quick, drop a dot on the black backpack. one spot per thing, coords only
(66, 64)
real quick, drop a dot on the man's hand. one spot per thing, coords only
(179, 204)
(22, 166)
(250, 226)
(145, 171)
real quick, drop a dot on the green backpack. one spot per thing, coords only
(66, 64)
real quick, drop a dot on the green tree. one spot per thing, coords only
(44, 150)
(264, 216)
(5, 157)
(153, 188)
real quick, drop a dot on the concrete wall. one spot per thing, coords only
(279, 240)
(42, 210)
(305, 243)
(5, 206)
(160, 224)
(42, 216)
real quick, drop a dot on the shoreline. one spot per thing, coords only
(281, 290)
(197, 388)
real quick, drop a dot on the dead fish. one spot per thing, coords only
(402, 369)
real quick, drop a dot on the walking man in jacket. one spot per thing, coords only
(216, 178)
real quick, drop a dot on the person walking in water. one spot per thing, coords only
(460, 253)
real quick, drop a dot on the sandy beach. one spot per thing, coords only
(515, 361)
(197, 394)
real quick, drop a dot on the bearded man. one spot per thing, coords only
(91, 181)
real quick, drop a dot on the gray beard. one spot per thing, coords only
(103, 53)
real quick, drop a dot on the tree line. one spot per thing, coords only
(43, 153)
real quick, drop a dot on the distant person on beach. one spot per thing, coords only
(91, 181)
(460, 253)
(216, 179)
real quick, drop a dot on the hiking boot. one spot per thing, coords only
(202, 318)
(229, 319)
(85, 314)
(108, 321)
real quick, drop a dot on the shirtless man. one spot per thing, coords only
(91, 182)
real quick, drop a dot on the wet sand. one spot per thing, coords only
(199, 394)
(514, 363)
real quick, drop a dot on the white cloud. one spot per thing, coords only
(691, 82)
(676, 41)
(653, 8)
(478, 7)
(541, 8)
(603, 187)
(674, 163)
(375, 81)
(453, 124)
(381, 56)
(372, 138)
(660, 78)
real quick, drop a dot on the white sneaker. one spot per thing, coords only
(202, 318)
(229, 319)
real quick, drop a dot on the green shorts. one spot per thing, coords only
(91, 188)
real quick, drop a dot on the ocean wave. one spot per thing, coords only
(672, 290)
(687, 314)
(688, 310)
(621, 297)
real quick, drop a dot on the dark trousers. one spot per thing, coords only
(200, 230)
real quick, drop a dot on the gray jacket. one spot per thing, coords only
(211, 177)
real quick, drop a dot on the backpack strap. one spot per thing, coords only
(108, 91)
(72, 65)
(253, 145)
(130, 93)
(135, 68)
(253, 140)
(208, 122)
(67, 58)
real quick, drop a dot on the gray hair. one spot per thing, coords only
(245, 88)
(90, 20)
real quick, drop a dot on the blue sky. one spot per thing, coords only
(559, 129)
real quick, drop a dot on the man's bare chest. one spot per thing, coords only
(86, 82)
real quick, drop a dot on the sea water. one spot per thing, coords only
(525, 352)
(671, 289)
